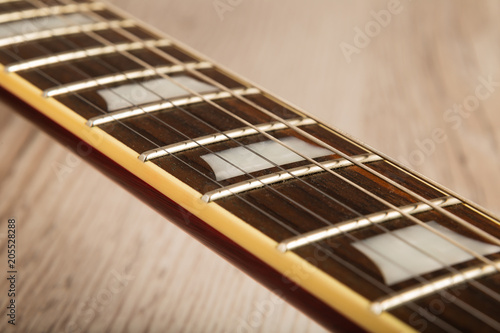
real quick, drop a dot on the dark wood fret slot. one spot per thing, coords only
(177, 53)
(16, 54)
(15, 7)
(401, 177)
(163, 128)
(51, 3)
(221, 78)
(107, 15)
(82, 105)
(278, 109)
(141, 33)
(150, 57)
(476, 219)
(327, 136)
(58, 74)
(377, 186)
(46, 47)
(113, 36)
(246, 111)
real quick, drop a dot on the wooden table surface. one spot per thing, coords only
(92, 258)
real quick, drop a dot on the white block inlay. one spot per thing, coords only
(26, 26)
(248, 159)
(155, 90)
(399, 261)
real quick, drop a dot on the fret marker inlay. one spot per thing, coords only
(391, 253)
(50, 11)
(31, 30)
(165, 105)
(155, 90)
(34, 25)
(285, 175)
(234, 162)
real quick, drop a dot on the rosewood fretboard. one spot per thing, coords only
(323, 210)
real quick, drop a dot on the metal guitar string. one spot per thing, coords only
(250, 125)
(305, 134)
(452, 216)
(333, 256)
(215, 83)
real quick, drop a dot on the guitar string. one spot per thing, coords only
(457, 219)
(330, 197)
(348, 158)
(452, 216)
(329, 253)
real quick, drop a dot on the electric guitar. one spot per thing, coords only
(346, 234)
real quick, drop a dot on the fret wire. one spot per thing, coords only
(148, 66)
(452, 216)
(91, 52)
(355, 224)
(37, 35)
(155, 107)
(414, 293)
(313, 161)
(281, 176)
(9, 1)
(334, 150)
(48, 11)
(245, 99)
(124, 76)
(215, 138)
(179, 85)
(338, 259)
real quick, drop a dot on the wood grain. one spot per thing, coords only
(93, 258)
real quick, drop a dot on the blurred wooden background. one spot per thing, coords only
(92, 258)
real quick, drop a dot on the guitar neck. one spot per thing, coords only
(338, 229)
